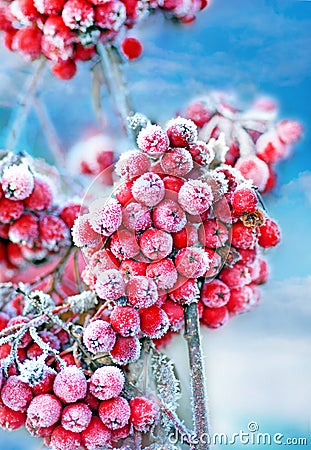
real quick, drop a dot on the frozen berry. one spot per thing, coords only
(244, 200)
(124, 245)
(25, 230)
(65, 70)
(235, 276)
(213, 234)
(186, 237)
(254, 169)
(27, 41)
(141, 292)
(215, 317)
(110, 285)
(177, 161)
(241, 300)
(105, 216)
(78, 14)
(192, 262)
(62, 439)
(131, 48)
(10, 210)
(186, 292)
(16, 394)
(76, 417)
(114, 413)
(17, 181)
(201, 153)
(153, 141)
(169, 216)
(70, 384)
(175, 314)
(83, 234)
(154, 321)
(125, 320)
(148, 189)
(110, 15)
(44, 410)
(131, 268)
(181, 132)
(96, 436)
(125, 350)
(132, 165)
(10, 419)
(156, 244)
(195, 196)
(215, 294)
(289, 131)
(99, 337)
(107, 382)
(163, 273)
(269, 234)
(136, 217)
(144, 413)
(242, 237)
(41, 197)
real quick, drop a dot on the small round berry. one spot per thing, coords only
(153, 140)
(177, 161)
(186, 237)
(148, 189)
(236, 276)
(105, 216)
(25, 230)
(215, 263)
(241, 300)
(10, 210)
(111, 15)
(65, 70)
(169, 216)
(195, 196)
(131, 48)
(270, 148)
(242, 237)
(16, 394)
(124, 193)
(132, 165)
(124, 245)
(83, 234)
(125, 320)
(70, 212)
(213, 234)
(110, 285)
(76, 417)
(263, 272)
(107, 382)
(103, 260)
(41, 197)
(99, 337)
(54, 233)
(144, 413)
(114, 413)
(154, 321)
(163, 273)
(120, 433)
(62, 439)
(192, 262)
(46, 384)
(70, 385)
(215, 317)
(156, 244)
(254, 169)
(126, 350)
(130, 268)
(175, 314)
(78, 14)
(172, 186)
(44, 411)
(244, 200)
(10, 419)
(136, 217)
(27, 41)
(201, 153)
(141, 292)
(269, 234)
(96, 436)
(17, 181)
(289, 131)
(199, 113)
(49, 7)
(186, 292)
(215, 294)
(181, 132)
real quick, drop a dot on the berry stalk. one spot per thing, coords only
(197, 377)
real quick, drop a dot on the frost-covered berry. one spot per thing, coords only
(163, 273)
(125, 350)
(186, 237)
(244, 200)
(270, 148)
(105, 216)
(263, 274)
(144, 413)
(107, 382)
(53, 232)
(96, 436)
(136, 217)
(125, 320)
(181, 132)
(41, 197)
(131, 48)
(177, 161)
(103, 260)
(172, 186)
(124, 245)
(46, 384)
(215, 263)
(154, 321)
(65, 70)
(254, 169)
(44, 411)
(124, 193)
(49, 7)
(17, 181)
(70, 385)
(241, 300)
(10, 419)
(114, 413)
(16, 394)
(195, 196)
(215, 317)
(62, 439)
(111, 15)
(213, 234)
(289, 131)
(192, 262)
(110, 285)
(199, 113)
(148, 189)
(83, 234)
(132, 164)
(215, 294)
(156, 244)
(242, 237)
(236, 276)
(24, 230)
(175, 314)
(169, 216)
(57, 40)
(141, 292)
(131, 268)
(76, 417)
(10, 210)
(70, 212)
(186, 292)
(153, 140)
(78, 14)
(27, 42)
(99, 337)
(269, 234)
(201, 153)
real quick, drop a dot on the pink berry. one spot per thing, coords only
(70, 384)
(154, 321)
(16, 394)
(181, 132)
(163, 273)
(110, 285)
(241, 300)
(177, 161)
(65, 70)
(213, 234)
(215, 294)
(62, 439)
(76, 417)
(130, 268)
(215, 263)
(41, 197)
(136, 217)
(198, 113)
(10, 419)
(54, 233)
(17, 181)
(125, 320)
(120, 433)
(78, 14)
(153, 140)
(124, 245)
(215, 317)
(201, 153)
(83, 234)
(44, 432)
(144, 413)
(244, 200)
(269, 234)
(175, 314)
(105, 216)
(195, 196)
(186, 292)
(96, 436)
(169, 216)
(57, 42)
(99, 337)
(25, 230)
(46, 384)
(148, 189)
(27, 41)
(70, 212)
(242, 237)
(111, 15)
(270, 148)
(192, 262)
(156, 244)
(44, 411)
(103, 260)
(263, 272)
(254, 169)
(107, 382)
(172, 186)
(114, 413)
(141, 292)
(289, 131)
(10, 210)
(132, 165)
(124, 193)
(186, 237)
(125, 350)
(236, 276)
(131, 48)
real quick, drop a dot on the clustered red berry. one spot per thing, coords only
(34, 224)
(256, 141)
(67, 31)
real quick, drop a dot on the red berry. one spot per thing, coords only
(163, 273)
(195, 196)
(186, 237)
(175, 314)
(76, 417)
(10, 210)
(215, 265)
(244, 200)
(110, 285)
(10, 419)
(136, 217)
(16, 394)
(154, 321)
(236, 276)
(111, 15)
(96, 436)
(99, 337)
(132, 165)
(148, 189)
(70, 384)
(215, 294)
(241, 300)
(65, 70)
(49, 7)
(131, 48)
(130, 268)
(201, 154)
(105, 216)
(44, 411)
(156, 244)
(107, 382)
(169, 216)
(181, 132)
(177, 161)
(103, 260)
(153, 140)
(124, 245)
(125, 350)
(141, 292)
(254, 169)
(78, 14)
(144, 413)
(192, 262)
(269, 234)
(25, 230)
(124, 193)
(114, 413)
(198, 113)
(83, 234)
(215, 317)
(27, 41)
(46, 384)
(242, 237)
(125, 320)
(263, 272)
(213, 234)
(186, 292)
(289, 131)
(62, 439)
(41, 197)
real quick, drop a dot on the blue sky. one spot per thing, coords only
(259, 365)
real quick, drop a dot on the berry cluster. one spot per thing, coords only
(67, 31)
(35, 221)
(256, 141)
(175, 232)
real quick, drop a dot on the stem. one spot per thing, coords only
(110, 62)
(197, 376)
(23, 106)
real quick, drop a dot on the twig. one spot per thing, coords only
(197, 377)
(76, 269)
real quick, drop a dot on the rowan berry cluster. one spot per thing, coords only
(67, 31)
(35, 220)
(257, 141)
